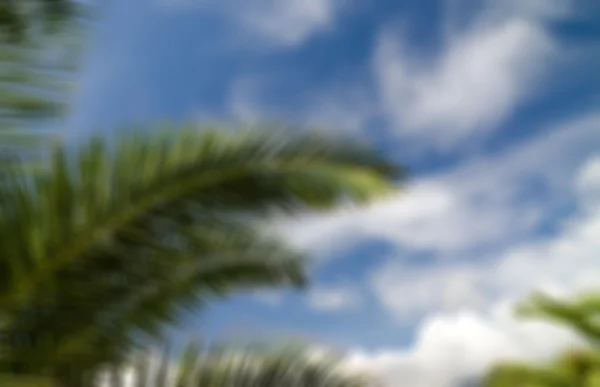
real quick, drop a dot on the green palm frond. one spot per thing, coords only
(8, 380)
(116, 241)
(35, 81)
(521, 375)
(36, 78)
(289, 366)
(575, 367)
(19, 17)
(579, 367)
(582, 314)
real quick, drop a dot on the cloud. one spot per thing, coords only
(283, 23)
(475, 208)
(452, 348)
(288, 22)
(333, 298)
(344, 107)
(562, 263)
(468, 324)
(588, 185)
(483, 72)
(493, 204)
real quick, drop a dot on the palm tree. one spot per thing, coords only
(575, 367)
(289, 366)
(36, 70)
(110, 246)
(580, 314)
(579, 368)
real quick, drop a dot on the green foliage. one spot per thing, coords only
(573, 368)
(115, 242)
(291, 366)
(19, 17)
(105, 248)
(36, 76)
(582, 314)
(24, 381)
(33, 84)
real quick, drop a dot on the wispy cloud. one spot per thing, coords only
(562, 263)
(452, 348)
(288, 22)
(333, 298)
(466, 307)
(488, 66)
(346, 107)
(469, 323)
(283, 23)
(481, 204)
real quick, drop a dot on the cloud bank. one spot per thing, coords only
(488, 65)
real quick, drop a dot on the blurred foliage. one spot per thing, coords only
(578, 367)
(289, 366)
(571, 369)
(19, 17)
(581, 314)
(115, 242)
(36, 84)
(106, 247)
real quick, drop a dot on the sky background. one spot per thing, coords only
(492, 105)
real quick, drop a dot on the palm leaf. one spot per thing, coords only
(521, 375)
(35, 80)
(580, 314)
(8, 380)
(117, 241)
(572, 368)
(36, 77)
(579, 367)
(19, 18)
(290, 366)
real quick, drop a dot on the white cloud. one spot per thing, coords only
(483, 72)
(588, 185)
(408, 293)
(477, 328)
(288, 22)
(563, 263)
(244, 100)
(344, 108)
(465, 306)
(450, 348)
(480, 205)
(284, 23)
(333, 298)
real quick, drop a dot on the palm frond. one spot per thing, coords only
(20, 18)
(9, 380)
(581, 315)
(290, 366)
(579, 367)
(522, 375)
(115, 242)
(36, 78)
(575, 367)
(35, 81)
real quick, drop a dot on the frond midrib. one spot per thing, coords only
(169, 193)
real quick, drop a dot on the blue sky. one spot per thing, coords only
(493, 106)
